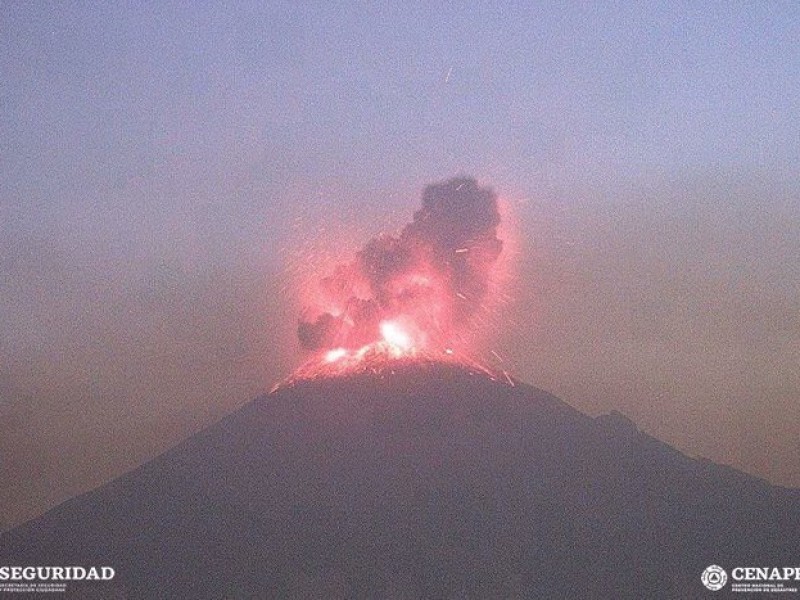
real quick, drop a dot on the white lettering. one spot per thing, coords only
(73, 573)
(766, 573)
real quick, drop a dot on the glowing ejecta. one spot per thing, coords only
(419, 290)
(394, 335)
(335, 354)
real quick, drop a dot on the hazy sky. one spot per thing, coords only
(165, 168)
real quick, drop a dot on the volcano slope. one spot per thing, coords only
(419, 481)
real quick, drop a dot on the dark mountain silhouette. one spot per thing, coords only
(423, 481)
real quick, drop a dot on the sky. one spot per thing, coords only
(169, 172)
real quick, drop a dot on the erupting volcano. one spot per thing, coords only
(392, 466)
(429, 481)
(414, 296)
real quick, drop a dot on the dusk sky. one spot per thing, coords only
(167, 172)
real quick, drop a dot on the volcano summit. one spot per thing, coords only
(424, 480)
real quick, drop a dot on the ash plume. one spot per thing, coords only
(433, 276)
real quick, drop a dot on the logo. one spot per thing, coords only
(714, 578)
(26, 579)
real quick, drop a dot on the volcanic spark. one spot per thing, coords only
(417, 294)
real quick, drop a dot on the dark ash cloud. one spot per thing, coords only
(435, 273)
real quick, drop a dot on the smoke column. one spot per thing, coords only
(419, 289)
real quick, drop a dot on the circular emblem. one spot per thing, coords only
(714, 578)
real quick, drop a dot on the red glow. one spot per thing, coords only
(394, 335)
(335, 354)
(421, 306)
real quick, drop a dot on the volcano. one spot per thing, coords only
(421, 480)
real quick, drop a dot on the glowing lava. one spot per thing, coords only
(394, 335)
(335, 354)
(396, 342)
(416, 296)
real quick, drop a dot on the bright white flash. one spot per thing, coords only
(393, 334)
(335, 354)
